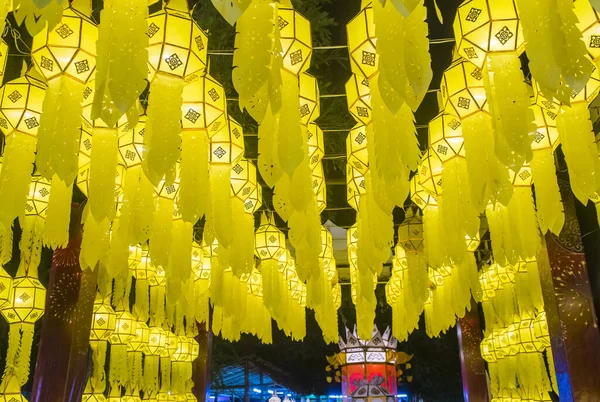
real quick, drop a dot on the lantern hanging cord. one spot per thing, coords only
(225, 52)
(326, 96)
(17, 37)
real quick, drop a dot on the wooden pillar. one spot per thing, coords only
(472, 365)
(569, 309)
(61, 368)
(202, 365)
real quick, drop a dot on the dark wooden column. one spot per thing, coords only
(472, 365)
(202, 365)
(61, 368)
(569, 309)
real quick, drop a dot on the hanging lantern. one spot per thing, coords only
(356, 149)
(430, 173)
(157, 342)
(358, 95)
(20, 108)
(588, 23)
(243, 178)
(309, 99)
(66, 58)
(316, 145)
(296, 40)
(254, 201)
(361, 44)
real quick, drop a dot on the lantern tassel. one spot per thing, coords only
(144, 211)
(180, 258)
(162, 232)
(157, 305)
(32, 227)
(95, 241)
(141, 307)
(151, 370)
(58, 135)
(242, 256)
(162, 138)
(121, 69)
(290, 146)
(268, 160)
(15, 176)
(509, 106)
(58, 214)
(550, 209)
(11, 369)
(98, 377)
(434, 239)
(220, 193)
(577, 138)
(194, 175)
(103, 171)
(117, 371)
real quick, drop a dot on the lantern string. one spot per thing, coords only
(228, 52)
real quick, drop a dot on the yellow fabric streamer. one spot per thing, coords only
(58, 135)
(32, 227)
(180, 258)
(220, 201)
(194, 175)
(17, 167)
(550, 209)
(121, 69)
(162, 138)
(577, 139)
(95, 241)
(58, 214)
(257, 60)
(509, 106)
(144, 211)
(242, 255)
(103, 170)
(161, 234)
(554, 46)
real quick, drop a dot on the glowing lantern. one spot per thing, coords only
(540, 327)
(445, 137)
(316, 146)
(243, 179)
(131, 143)
(356, 149)
(358, 95)
(355, 184)
(103, 320)
(430, 173)
(296, 40)
(589, 25)
(157, 342)
(139, 341)
(178, 46)
(410, 233)
(462, 89)
(3, 55)
(364, 60)
(6, 283)
(204, 105)
(66, 57)
(20, 108)
(482, 26)
(254, 200)
(309, 99)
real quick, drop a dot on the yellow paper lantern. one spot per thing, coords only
(522, 177)
(172, 341)
(356, 148)
(540, 328)
(316, 145)
(419, 196)
(445, 137)
(243, 178)
(104, 320)
(93, 397)
(319, 187)
(355, 186)
(21, 104)
(358, 96)
(204, 105)
(309, 99)
(131, 143)
(227, 144)
(546, 135)
(157, 342)
(125, 328)
(462, 89)
(27, 301)
(183, 350)
(177, 46)
(487, 350)
(410, 233)
(483, 26)
(589, 25)
(270, 241)
(430, 173)
(139, 341)
(3, 57)
(296, 39)
(364, 60)
(68, 49)
(254, 200)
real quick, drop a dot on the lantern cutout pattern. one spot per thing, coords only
(125, 330)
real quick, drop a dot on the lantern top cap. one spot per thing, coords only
(378, 340)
